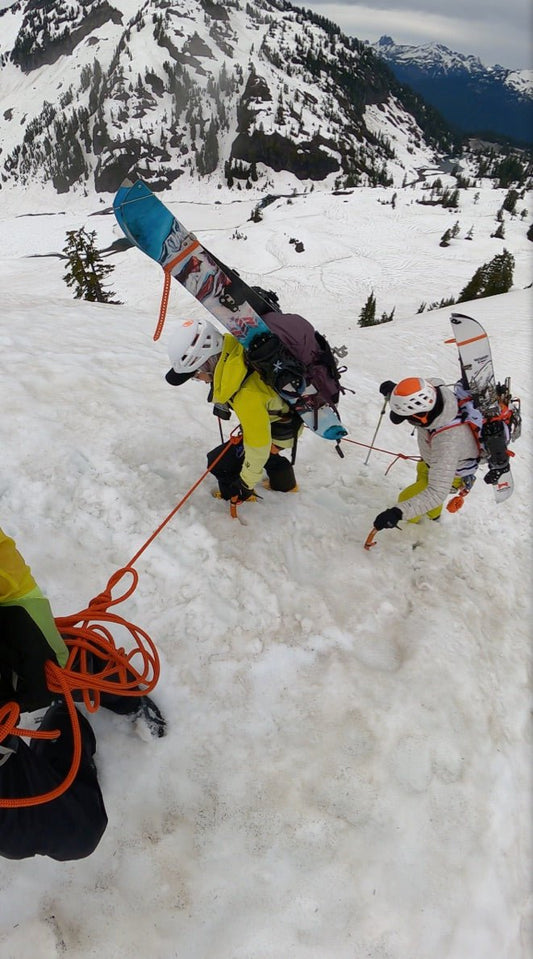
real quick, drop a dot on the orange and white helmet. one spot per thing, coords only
(413, 397)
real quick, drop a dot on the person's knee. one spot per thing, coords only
(280, 474)
(230, 462)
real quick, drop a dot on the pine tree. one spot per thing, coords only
(510, 201)
(387, 317)
(86, 270)
(367, 316)
(490, 279)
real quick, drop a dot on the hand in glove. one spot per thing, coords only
(388, 519)
(386, 388)
(239, 492)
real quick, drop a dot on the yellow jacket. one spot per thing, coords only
(255, 404)
(18, 588)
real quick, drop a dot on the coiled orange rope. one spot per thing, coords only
(87, 635)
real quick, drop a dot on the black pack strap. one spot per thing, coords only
(294, 450)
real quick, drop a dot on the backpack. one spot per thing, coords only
(492, 433)
(294, 359)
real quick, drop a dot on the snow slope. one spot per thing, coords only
(347, 768)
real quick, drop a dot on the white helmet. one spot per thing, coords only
(413, 397)
(190, 346)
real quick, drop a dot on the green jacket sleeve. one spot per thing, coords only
(40, 611)
(18, 588)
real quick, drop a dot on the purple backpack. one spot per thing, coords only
(296, 361)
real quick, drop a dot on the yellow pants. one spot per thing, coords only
(422, 479)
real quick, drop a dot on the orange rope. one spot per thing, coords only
(234, 438)
(85, 639)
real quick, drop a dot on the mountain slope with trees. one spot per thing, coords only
(238, 92)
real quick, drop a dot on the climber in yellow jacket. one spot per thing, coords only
(268, 424)
(28, 634)
(70, 826)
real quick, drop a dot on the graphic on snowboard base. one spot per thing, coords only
(150, 226)
(495, 401)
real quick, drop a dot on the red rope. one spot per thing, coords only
(368, 446)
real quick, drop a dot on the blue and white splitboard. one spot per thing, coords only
(150, 226)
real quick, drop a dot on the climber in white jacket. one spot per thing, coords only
(448, 446)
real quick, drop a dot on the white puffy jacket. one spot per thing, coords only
(448, 453)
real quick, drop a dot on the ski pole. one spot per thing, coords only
(382, 411)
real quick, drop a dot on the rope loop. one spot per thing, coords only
(89, 639)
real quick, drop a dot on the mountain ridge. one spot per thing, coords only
(470, 95)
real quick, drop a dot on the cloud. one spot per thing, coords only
(489, 29)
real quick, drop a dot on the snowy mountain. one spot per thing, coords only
(237, 92)
(475, 98)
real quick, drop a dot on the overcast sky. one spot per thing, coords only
(496, 31)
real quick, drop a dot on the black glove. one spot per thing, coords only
(238, 491)
(386, 388)
(494, 474)
(388, 519)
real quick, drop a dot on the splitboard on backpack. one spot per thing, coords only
(299, 362)
(486, 405)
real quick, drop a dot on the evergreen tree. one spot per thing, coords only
(510, 201)
(387, 317)
(367, 316)
(450, 199)
(207, 156)
(86, 270)
(490, 279)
